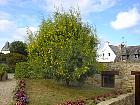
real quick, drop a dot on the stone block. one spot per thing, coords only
(5, 76)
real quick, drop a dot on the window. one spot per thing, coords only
(108, 80)
(136, 56)
(127, 56)
(124, 57)
(103, 55)
(108, 54)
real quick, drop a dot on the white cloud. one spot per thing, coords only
(10, 28)
(126, 19)
(33, 29)
(3, 2)
(6, 25)
(4, 15)
(21, 33)
(85, 6)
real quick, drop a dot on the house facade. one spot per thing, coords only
(106, 54)
(5, 49)
(111, 53)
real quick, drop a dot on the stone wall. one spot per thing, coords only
(126, 99)
(124, 80)
(95, 80)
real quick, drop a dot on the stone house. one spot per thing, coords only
(132, 53)
(111, 53)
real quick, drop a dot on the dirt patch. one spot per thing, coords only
(6, 90)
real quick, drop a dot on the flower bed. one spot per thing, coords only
(97, 99)
(20, 97)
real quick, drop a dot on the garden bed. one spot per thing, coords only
(20, 96)
(49, 92)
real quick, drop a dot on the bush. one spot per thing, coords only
(3, 68)
(27, 70)
(1, 72)
(6, 67)
(12, 59)
(2, 58)
(22, 70)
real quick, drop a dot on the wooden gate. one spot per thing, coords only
(137, 86)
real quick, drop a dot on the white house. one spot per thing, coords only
(106, 53)
(5, 49)
(111, 53)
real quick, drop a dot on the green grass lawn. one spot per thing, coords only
(49, 92)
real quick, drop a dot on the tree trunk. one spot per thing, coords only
(67, 82)
(0, 77)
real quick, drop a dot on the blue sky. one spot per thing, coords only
(113, 19)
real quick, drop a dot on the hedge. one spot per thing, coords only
(27, 70)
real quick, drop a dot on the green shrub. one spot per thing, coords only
(6, 67)
(2, 58)
(22, 70)
(3, 69)
(12, 59)
(35, 71)
(27, 70)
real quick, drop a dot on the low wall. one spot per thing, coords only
(95, 80)
(126, 99)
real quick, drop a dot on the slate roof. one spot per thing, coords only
(125, 50)
(134, 49)
(115, 49)
(6, 47)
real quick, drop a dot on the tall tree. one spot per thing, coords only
(18, 47)
(65, 47)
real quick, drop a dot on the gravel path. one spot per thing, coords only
(6, 89)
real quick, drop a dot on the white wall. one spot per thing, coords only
(5, 52)
(105, 50)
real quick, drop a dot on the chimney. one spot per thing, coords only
(107, 43)
(121, 46)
